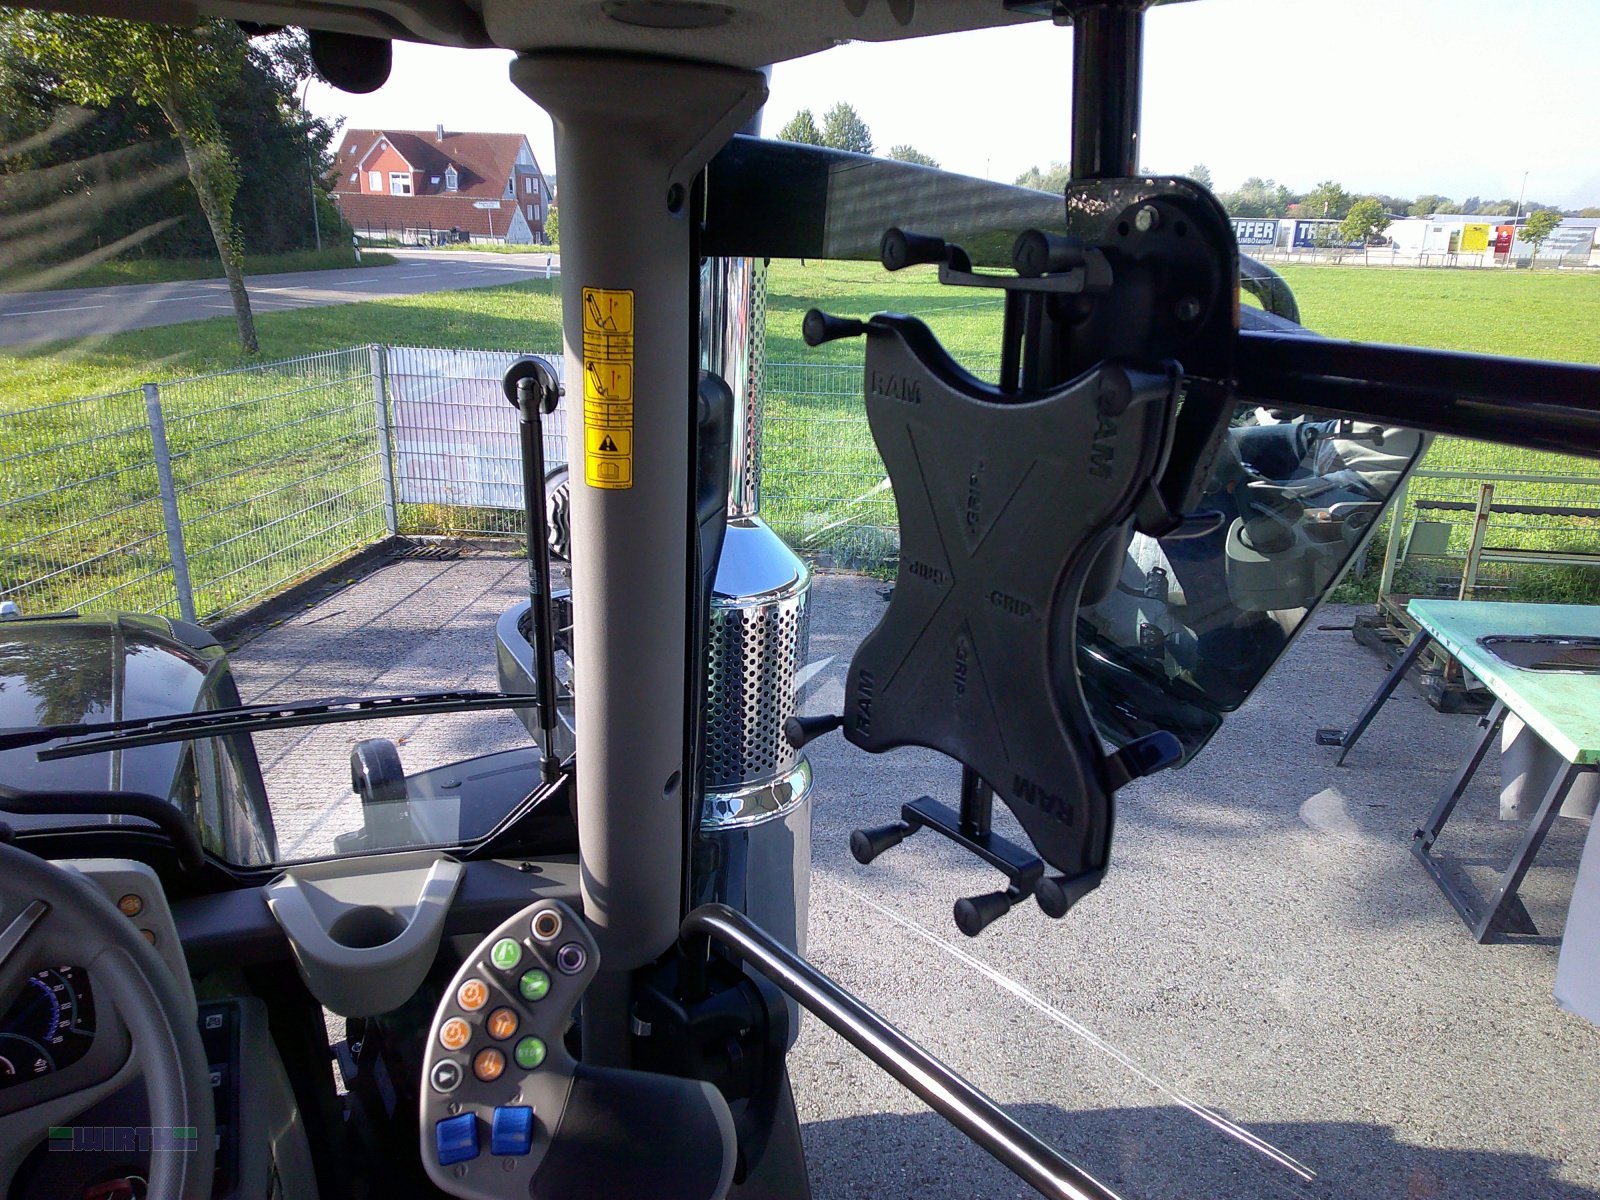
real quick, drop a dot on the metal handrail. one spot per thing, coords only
(947, 1093)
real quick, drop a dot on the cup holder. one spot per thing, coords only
(366, 928)
(365, 931)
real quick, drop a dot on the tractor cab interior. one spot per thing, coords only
(591, 991)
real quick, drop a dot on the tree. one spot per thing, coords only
(1201, 174)
(1054, 179)
(1328, 200)
(181, 72)
(111, 182)
(552, 226)
(843, 129)
(1538, 227)
(285, 154)
(1589, 212)
(1256, 197)
(910, 154)
(1426, 205)
(802, 127)
(1365, 221)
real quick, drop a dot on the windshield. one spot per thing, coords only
(1191, 625)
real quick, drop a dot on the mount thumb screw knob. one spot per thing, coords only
(818, 327)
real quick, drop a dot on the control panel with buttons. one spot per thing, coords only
(219, 1034)
(497, 1073)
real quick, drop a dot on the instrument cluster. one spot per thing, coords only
(48, 1026)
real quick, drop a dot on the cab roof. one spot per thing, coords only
(744, 33)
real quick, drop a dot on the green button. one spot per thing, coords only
(530, 1053)
(535, 984)
(506, 954)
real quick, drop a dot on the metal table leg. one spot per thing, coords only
(1494, 913)
(1426, 834)
(1488, 917)
(1419, 643)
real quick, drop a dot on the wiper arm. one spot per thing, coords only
(251, 718)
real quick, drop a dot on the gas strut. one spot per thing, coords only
(533, 387)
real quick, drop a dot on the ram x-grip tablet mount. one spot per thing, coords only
(1017, 501)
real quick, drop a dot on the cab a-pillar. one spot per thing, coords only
(631, 135)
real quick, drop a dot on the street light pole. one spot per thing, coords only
(1520, 196)
(311, 173)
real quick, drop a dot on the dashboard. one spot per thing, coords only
(49, 1025)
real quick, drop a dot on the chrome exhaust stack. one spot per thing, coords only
(754, 847)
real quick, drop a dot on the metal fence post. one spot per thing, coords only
(1391, 551)
(169, 502)
(380, 401)
(1480, 526)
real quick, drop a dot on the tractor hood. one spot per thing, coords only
(69, 669)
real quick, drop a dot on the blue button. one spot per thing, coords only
(513, 1131)
(456, 1139)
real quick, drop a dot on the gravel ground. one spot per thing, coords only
(1267, 996)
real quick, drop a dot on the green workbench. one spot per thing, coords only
(1560, 703)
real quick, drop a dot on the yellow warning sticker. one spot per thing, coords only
(607, 442)
(607, 381)
(608, 387)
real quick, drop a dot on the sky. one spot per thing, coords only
(1456, 97)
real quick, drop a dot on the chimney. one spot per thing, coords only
(439, 133)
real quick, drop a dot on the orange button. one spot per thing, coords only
(488, 1065)
(454, 1034)
(502, 1024)
(131, 905)
(472, 995)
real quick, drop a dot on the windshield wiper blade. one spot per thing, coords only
(32, 735)
(252, 718)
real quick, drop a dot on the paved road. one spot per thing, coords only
(78, 313)
(1267, 1000)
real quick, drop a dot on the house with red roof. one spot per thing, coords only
(418, 186)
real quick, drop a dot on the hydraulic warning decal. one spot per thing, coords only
(608, 387)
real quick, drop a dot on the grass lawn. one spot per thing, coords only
(519, 315)
(1527, 314)
(821, 467)
(165, 270)
(281, 465)
(277, 469)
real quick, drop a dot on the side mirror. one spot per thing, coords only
(377, 776)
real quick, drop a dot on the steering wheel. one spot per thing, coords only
(49, 916)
